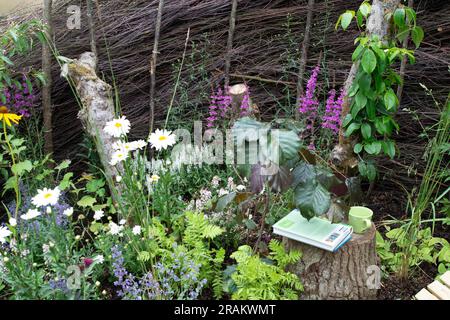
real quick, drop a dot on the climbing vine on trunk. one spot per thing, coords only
(373, 100)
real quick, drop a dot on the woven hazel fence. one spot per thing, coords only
(265, 48)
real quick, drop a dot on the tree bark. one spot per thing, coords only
(304, 57)
(376, 25)
(153, 64)
(91, 22)
(347, 274)
(97, 109)
(47, 108)
(230, 42)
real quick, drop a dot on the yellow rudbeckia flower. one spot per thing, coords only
(7, 117)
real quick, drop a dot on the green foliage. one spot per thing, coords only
(374, 102)
(258, 279)
(426, 248)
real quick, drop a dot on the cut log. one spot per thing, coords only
(97, 107)
(351, 273)
(238, 93)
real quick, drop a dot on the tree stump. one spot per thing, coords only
(351, 273)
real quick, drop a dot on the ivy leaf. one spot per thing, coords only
(390, 100)
(369, 61)
(417, 35)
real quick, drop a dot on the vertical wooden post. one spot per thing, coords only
(47, 87)
(153, 64)
(304, 57)
(230, 42)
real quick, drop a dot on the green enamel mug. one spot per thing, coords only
(360, 218)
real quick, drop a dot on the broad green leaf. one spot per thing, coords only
(366, 131)
(399, 17)
(289, 143)
(352, 128)
(417, 35)
(360, 100)
(364, 82)
(348, 118)
(224, 201)
(65, 183)
(357, 53)
(389, 148)
(373, 148)
(390, 100)
(86, 201)
(365, 8)
(312, 200)
(346, 19)
(369, 61)
(22, 167)
(303, 174)
(357, 148)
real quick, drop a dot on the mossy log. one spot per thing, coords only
(351, 273)
(97, 107)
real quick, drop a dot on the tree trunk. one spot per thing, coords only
(304, 57)
(97, 109)
(376, 25)
(347, 274)
(47, 108)
(403, 64)
(230, 42)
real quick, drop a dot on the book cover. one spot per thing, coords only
(317, 232)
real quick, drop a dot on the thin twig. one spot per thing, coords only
(153, 65)
(230, 42)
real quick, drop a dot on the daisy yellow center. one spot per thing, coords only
(162, 138)
(118, 125)
(47, 195)
(3, 109)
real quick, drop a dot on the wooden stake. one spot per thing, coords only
(153, 64)
(230, 42)
(304, 57)
(47, 87)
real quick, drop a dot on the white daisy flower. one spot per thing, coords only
(114, 229)
(161, 139)
(68, 212)
(118, 179)
(136, 230)
(117, 127)
(4, 233)
(46, 197)
(31, 214)
(139, 144)
(12, 222)
(98, 215)
(154, 178)
(122, 222)
(240, 187)
(118, 156)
